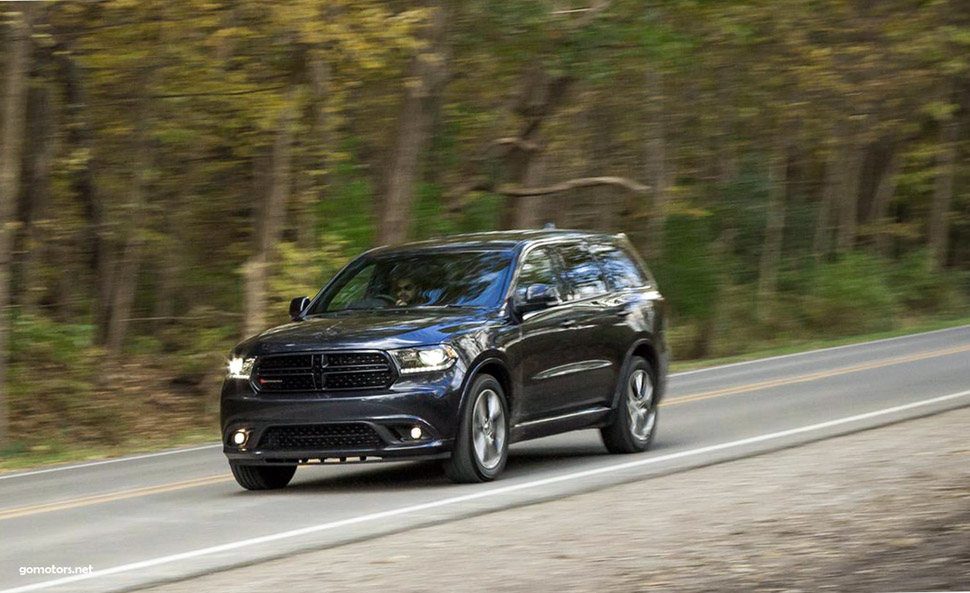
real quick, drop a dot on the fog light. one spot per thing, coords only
(240, 437)
(416, 433)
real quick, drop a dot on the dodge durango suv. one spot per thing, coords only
(452, 349)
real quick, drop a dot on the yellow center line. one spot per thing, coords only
(193, 483)
(110, 497)
(812, 376)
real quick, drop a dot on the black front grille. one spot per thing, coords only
(326, 371)
(358, 380)
(319, 437)
(349, 359)
(287, 362)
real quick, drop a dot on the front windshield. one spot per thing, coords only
(409, 280)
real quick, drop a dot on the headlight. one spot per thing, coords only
(240, 368)
(428, 359)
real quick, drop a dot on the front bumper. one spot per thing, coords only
(429, 402)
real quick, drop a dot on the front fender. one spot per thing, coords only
(491, 359)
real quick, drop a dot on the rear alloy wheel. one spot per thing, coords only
(482, 446)
(262, 477)
(635, 422)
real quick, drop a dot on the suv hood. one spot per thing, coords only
(366, 330)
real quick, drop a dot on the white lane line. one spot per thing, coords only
(107, 461)
(817, 351)
(454, 500)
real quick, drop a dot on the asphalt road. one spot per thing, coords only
(145, 519)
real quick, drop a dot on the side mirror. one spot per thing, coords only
(297, 306)
(539, 296)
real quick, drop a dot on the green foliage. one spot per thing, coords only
(850, 296)
(347, 212)
(922, 290)
(302, 272)
(45, 339)
(52, 377)
(742, 209)
(66, 393)
(688, 273)
(430, 216)
(192, 349)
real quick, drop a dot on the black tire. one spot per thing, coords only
(466, 464)
(623, 436)
(262, 477)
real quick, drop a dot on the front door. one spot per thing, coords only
(557, 368)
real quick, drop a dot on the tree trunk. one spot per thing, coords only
(254, 295)
(656, 161)
(171, 261)
(269, 225)
(717, 251)
(848, 200)
(166, 276)
(878, 213)
(528, 210)
(126, 277)
(42, 125)
(596, 206)
(539, 97)
(427, 78)
(11, 145)
(104, 282)
(834, 169)
(727, 170)
(943, 194)
(95, 241)
(771, 250)
(319, 152)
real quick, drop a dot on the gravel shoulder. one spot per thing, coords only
(882, 510)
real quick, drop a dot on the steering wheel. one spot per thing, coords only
(391, 301)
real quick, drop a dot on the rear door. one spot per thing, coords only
(628, 309)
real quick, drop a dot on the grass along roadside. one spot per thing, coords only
(49, 455)
(43, 456)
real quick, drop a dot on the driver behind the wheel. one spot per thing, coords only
(405, 291)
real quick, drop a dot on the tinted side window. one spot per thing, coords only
(538, 268)
(582, 272)
(620, 269)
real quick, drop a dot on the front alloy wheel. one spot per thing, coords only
(488, 429)
(481, 447)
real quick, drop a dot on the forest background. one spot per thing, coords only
(173, 172)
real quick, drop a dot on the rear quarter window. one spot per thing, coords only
(621, 270)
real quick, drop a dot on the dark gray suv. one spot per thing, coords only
(453, 349)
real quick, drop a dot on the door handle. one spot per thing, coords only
(568, 323)
(624, 312)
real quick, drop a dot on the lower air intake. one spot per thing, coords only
(320, 437)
